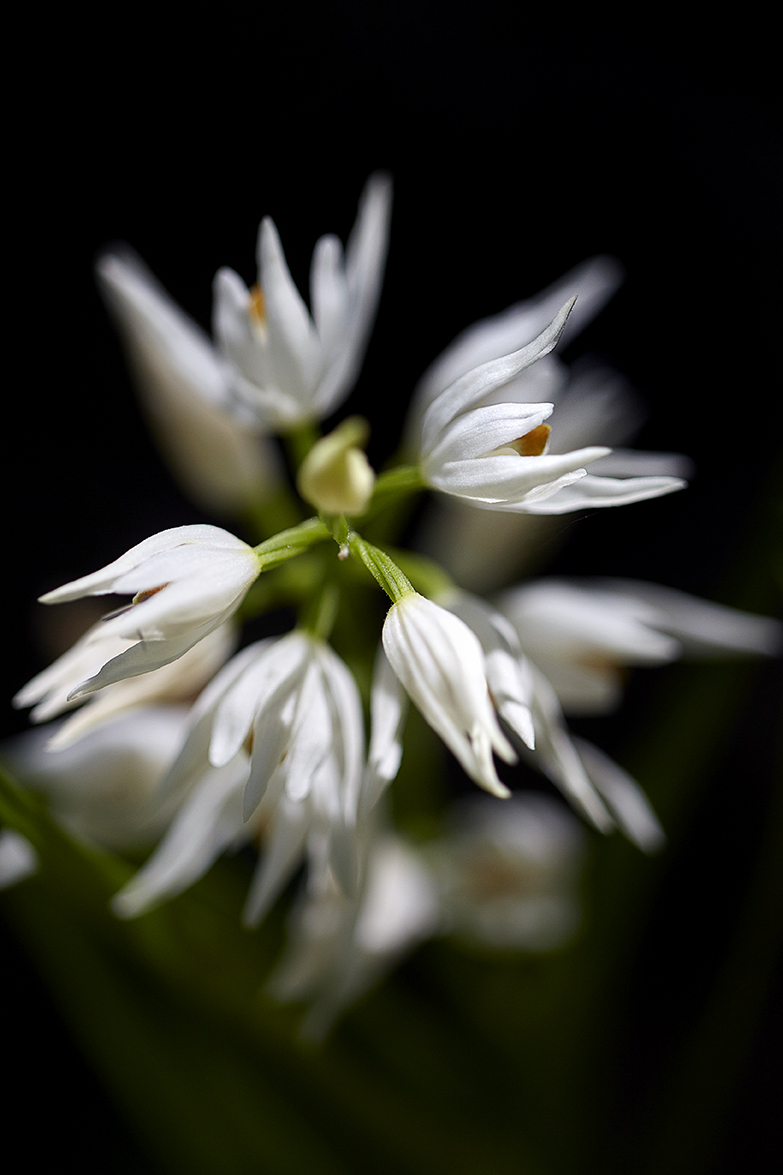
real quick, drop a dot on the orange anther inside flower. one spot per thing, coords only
(137, 599)
(256, 306)
(533, 443)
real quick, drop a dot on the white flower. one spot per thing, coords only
(185, 582)
(592, 405)
(441, 664)
(527, 703)
(388, 710)
(52, 689)
(18, 858)
(581, 634)
(339, 946)
(509, 874)
(478, 440)
(104, 790)
(290, 367)
(276, 742)
(593, 283)
(212, 444)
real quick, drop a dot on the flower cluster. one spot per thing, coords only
(190, 748)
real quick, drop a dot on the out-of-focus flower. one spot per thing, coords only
(509, 873)
(104, 789)
(185, 582)
(18, 858)
(340, 946)
(282, 724)
(215, 449)
(441, 664)
(495, 456)
(336, 476)
(289, 367)
(179, 680)
(582, 634)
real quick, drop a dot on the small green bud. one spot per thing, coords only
(336, 476)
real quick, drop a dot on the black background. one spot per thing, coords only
(520, 143)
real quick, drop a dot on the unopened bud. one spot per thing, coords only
(336, 476)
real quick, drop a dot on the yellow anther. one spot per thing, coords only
(533, 443)
(141, 596)
(256, 306)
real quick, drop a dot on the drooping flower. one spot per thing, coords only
(276, 744)
(290, 366)
(104, 790)
(494, 455)
(583, 633)
(605, 794)
(213, 445)
(52, 691)
(185, 582)
(441, 664)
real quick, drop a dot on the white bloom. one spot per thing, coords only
(291, 367)
(185, 582)
(592, 405)
(528, 705)
(104, 790)
(441, 664)
(509, 874)
(339, 946)
(51, 690)
(18, 858)
(185, 386)
(495, 455)
(581, 634)
(593, 283)
(292, 706)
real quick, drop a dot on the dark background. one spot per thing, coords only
(520, 143)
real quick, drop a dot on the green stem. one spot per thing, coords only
(392, 486)
(291, 542)
(383, 568)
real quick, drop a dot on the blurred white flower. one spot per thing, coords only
(276, 743)
(51, 690)
(18, 858)
(185, 384)
(583, 633)
(509, 873)
(185, 582)
(339, 946)
(441, 664)
(289, 367)
(388, 710)
(104, 789)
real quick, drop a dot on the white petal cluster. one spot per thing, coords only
(276, 742)
(482, 437)
(52, 691)
(186, 582)
(290, 366)
(441, 664)
(582, 633)
(214, 448)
